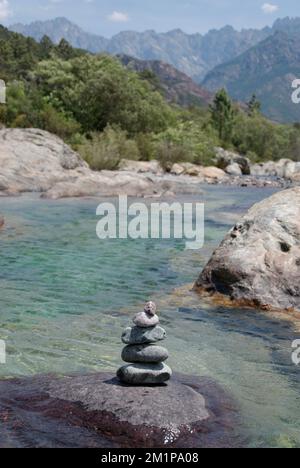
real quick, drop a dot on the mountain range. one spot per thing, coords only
(268, 70)
(193, 54)
(263, 62)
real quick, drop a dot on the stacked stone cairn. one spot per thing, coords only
(145, 357)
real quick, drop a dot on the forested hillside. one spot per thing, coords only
(109, 112)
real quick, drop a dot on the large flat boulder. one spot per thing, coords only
(258, 263)
(97, 411)
(33, 160)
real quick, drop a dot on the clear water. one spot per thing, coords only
(66, 296)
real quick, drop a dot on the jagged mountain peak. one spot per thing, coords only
(193, 54)
(268, 70)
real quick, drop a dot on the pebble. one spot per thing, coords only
(150, 308)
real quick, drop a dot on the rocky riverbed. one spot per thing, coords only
(33, 160)
(61, 314)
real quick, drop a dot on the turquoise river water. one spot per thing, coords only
(66, 296)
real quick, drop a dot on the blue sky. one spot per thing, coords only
(107, 17)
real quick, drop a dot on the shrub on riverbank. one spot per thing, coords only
(105, 150)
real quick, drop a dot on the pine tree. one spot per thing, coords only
(222, 115)
(65, 50)
(254, 105)
(46, 47)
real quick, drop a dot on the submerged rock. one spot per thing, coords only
(146, 373)
(97, 411)
(258, 263)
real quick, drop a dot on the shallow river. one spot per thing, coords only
(66, 296)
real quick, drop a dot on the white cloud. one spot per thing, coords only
(118, 17)
(269, 8)
(4, 9)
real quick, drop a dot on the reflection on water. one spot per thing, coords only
(66, 295)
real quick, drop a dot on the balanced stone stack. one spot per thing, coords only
(146, 357)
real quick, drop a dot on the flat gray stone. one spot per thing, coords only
(97, 411)
(143, 320)
(144, 353)
(137, 335)
(140, 374)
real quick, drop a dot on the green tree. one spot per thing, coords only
(98, 91)
(65, 50)
(222, 115)
(254, 105)
(47, 47)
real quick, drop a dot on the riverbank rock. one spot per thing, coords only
(33, 160)
(98, 411)
(152, 167)
(224, 159)
(210, 174)
(258, 263)
(234, 170)
(284, 168)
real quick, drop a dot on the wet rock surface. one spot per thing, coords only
(97, 411)
(258, 263)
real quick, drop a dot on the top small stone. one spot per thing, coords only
(150, 308)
